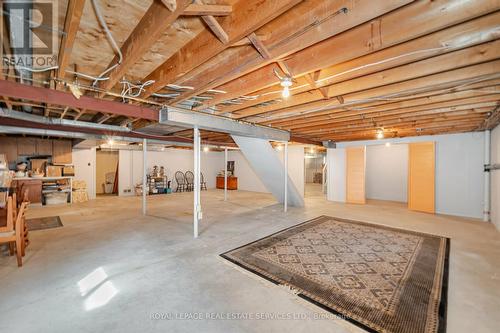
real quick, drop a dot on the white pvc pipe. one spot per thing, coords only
(285, 196)
(196, 202)
(144, 175)
(487, 161)
(225, 174)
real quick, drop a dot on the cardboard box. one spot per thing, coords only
(68, 171)
(39, 164)
(54, 171)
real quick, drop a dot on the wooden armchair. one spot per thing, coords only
(15, 231)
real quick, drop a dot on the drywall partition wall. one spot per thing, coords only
(387, 172)
(268, 166)
(248, 179)
(84, 161)
(336, 174)
(296, 166)
(495, 178)
(459, 170)
(130, 166)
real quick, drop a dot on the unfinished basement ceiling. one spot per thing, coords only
(358, 68)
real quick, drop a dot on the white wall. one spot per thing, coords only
(296, 166)
(336, 171)
(84, 161)
(387, 172)
(130, 166)
(495, 178)
(459, 170)
(248, 179)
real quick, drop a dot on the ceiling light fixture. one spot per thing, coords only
(111, 142)
(206, 149)
(380, 134)
(286, 83)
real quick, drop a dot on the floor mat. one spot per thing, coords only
(42, 223)
(379, 278)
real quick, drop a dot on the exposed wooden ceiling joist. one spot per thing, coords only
(246, 17)
(379, 85)
(152, 25)
(205, 9)
(338, 52)
(312, 21)
(72, 23)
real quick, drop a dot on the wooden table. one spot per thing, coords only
(232, 183)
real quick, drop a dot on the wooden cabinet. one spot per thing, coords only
(62, 152)
(26, 146)
(8, 146)
(34, 187)
(232, 183)
(44, 147)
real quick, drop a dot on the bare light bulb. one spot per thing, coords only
(111, 142)
(380, 134)
(286, 92)
(205, 149)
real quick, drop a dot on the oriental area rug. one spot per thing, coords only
(379, 278)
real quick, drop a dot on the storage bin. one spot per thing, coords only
(56, 198)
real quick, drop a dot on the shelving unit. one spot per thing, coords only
(157, 185)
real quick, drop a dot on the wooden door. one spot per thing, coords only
(62, 152)
(26, 146)
(355, 175)
(421, 177)
(8, 146)
(44, 147)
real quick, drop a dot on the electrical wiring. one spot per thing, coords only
(112, 41)
(320, 81)
(128, 88)
(390, 97)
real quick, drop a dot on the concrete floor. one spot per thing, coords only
(111, 269)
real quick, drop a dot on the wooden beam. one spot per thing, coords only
(196, 9)
(80, 114)
(247, 16)
(259, 46)
(446, 62)
(71, 25)
(380, 119)
(51, 96)
(313, 21)
(492, 121)
(358, 42)
(216, 28)
(64, 112)
(147, 32)
(409, 105)
(104, 118)
(312, 82)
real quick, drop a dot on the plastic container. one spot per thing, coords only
(56, 198)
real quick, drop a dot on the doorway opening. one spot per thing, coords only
(315, 172)
(106, 172)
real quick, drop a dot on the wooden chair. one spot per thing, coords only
(26, 231)
(189, 181)
(181, 181)
(15, 234)
(203, 183)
